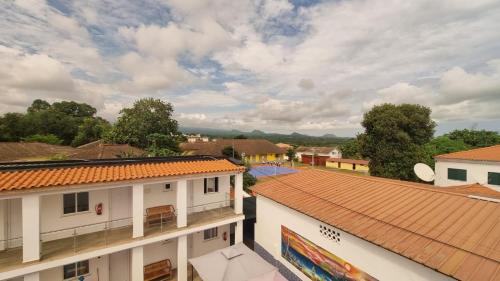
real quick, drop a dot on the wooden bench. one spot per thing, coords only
(159, 214)
(158, 271)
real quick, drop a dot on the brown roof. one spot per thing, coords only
(284, 145)
(100, 150)
(350, 161)
(449, 232)
(472, 189)
(247, 146)
(25, 151)
(315, 149)
(491, 153)
(65, 176)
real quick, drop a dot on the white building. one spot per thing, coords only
(480, 166)
(321, 151)
(107, 220)
(369, 228)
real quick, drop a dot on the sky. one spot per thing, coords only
(312, 67)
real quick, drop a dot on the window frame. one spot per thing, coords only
(211, 190)
(457, 178)
(77, 266)
(493, 175)
(77, 206)
(167, 187)
(213, 233)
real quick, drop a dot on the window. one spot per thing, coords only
(211, 185)
(457, 174)
(75, 202)
(209, 234)
(168, 187)
(493, 178)
(74, 270)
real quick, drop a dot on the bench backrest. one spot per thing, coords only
(160, 209)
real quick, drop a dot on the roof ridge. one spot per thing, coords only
(468, 150)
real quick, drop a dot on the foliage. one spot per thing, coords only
(50, 139)
(59, 157)
(248, 181)
(442, 145)
(146, 117)
(240, 137)
(475, 138)
(12, 127)
(159, 145)
(394, 139)
(351, 149)
(290, 153)
(92, 129)
(228, 151)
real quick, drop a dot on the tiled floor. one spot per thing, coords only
(51, 250)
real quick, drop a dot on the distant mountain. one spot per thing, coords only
(293, 138)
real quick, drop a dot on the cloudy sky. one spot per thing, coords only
(281, 66)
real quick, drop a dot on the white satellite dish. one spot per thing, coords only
(424, 172)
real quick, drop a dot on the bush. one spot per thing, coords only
(50, 139)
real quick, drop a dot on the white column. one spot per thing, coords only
(3, 225)
(182, 259)
(32, 277)
(138, 210)
(238, 194)
(137, 266)
(31, 227)
(238, 234)
(181, 193)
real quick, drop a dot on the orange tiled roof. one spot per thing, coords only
(451, 233)
(66, 176)
(491, 153)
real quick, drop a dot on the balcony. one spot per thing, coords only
(66, 242)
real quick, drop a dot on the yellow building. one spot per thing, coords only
(348, 164)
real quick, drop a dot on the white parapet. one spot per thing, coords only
(32, 277)
(181, 193)
(182, 258)
(137, 266)
(138, 210)
(31, 227)
(238, 194)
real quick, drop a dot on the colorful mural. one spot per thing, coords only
(316, 262)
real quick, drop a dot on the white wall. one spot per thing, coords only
(477, 172)
(198, 201)
(161, 251)
(98, 266)
(198, 247)
(376, 261)
(157, 195)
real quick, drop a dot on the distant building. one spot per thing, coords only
(196, 138)
(481, 166)
(322, 225)
(284, 145)
(348, 164)
(254, 150)
(318, 155)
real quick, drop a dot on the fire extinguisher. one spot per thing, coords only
(224, 236)
(98, 209)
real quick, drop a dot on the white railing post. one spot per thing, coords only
(238, 194)
(138, 210)
(181, 194)
(137, 266)
(31, 227)
(182, 259)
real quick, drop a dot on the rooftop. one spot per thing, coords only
(31, 175)
(491, 153)
(315, 149)
(447, 231)
(350, 161)
(247, 146)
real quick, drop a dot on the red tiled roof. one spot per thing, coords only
(491, 153)
(350, 161)
(472, 189)
(449, 232)
(66, 176)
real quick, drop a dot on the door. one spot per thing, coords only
(119, 266)
(120, 206)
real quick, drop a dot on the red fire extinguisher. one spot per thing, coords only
(224, 236)
(98, 209)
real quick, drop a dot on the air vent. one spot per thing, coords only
(329, 233)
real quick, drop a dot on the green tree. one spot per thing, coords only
(38, 105)
(394, 139)
(442, 145)
(147, 116)
(159, 145)
(228, 151)
(248, 181)
(50, 139)
(351, 149)
(12, 127)
(475, 138)
(92, 129)
(240, 137)
(290, 153)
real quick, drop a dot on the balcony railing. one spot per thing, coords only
(88, 237)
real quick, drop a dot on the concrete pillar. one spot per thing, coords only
(182, 258)
(31, 227)
(137, 266)
(238, 232)
(181, 193)
(238, 194)
(138, 210)
(3, 225)
(32, 277)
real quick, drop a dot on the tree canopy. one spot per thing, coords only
(351, 149)
(475, 138)
(394, 139)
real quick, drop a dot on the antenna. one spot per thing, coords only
(424, 172)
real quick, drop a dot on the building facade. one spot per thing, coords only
(108, 220)
(316, 156)
(348, 164)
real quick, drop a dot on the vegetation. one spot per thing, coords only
(394, 139)
(475, 138)
(50, 139)
(228, 151)
(442, 145)
(351, 149)
(248, 179)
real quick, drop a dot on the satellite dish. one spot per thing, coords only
(424, 172)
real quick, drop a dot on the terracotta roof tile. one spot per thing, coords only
(491, 153)
(64, 176)
(444, 230)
